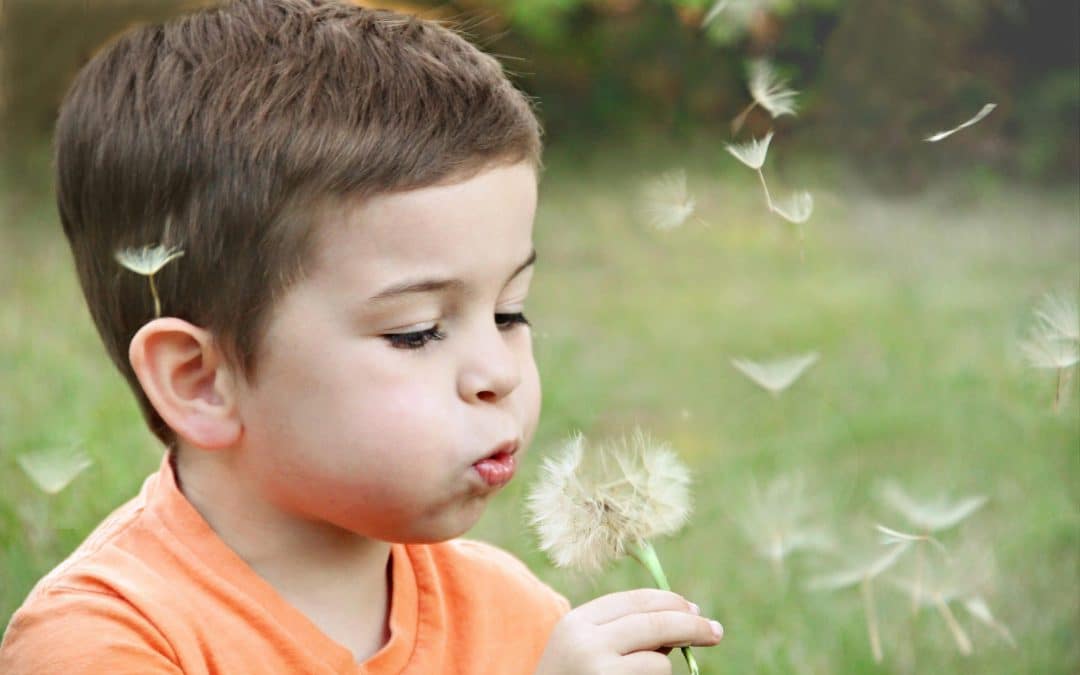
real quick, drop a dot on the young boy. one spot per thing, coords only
(342, 370)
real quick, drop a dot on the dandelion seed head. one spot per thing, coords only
(667, 202)
(590, 506)
(777, 375)
(751, 153)
(771, 92)
(147, 260)
(796, 210)
(929, 515)
(53, 469)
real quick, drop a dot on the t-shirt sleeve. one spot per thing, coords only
(79, 632)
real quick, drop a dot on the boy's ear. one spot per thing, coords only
(188, 381)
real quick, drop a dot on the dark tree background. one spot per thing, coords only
(876, 75)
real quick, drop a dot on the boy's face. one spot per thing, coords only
(399, 362)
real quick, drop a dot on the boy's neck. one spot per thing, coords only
(339, 580)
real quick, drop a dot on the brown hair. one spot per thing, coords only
(222, 132)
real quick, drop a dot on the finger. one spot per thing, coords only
(645, 663)
(613, 606)
(653, 630)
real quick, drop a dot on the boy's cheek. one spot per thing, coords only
(533, 406)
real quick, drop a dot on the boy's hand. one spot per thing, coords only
(624, 632)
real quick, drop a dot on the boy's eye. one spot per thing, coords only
(508, 321)
(415, 339)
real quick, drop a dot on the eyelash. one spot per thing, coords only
(420, 339)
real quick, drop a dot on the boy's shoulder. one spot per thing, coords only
(90, 594)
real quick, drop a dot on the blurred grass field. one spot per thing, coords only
(914, 302)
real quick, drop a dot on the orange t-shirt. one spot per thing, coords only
(154, 590)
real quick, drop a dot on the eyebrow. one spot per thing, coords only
(431, 285)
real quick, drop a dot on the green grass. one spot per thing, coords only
(915, 304)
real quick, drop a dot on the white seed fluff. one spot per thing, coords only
(591, 505)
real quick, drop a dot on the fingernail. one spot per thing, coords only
(695, 609)
(717, 629)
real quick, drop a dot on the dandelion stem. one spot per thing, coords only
(871, 620)
(764, 186)
(644, 553)
(157, 300)
(963, 643)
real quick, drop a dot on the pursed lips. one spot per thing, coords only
(498, 467)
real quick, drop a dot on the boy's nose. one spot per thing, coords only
(490, 373)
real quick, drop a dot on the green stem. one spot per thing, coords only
(645, 554)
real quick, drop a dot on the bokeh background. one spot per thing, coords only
(915, 281)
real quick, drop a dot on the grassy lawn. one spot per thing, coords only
(914, 303)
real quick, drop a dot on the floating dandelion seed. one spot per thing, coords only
(778, 521)
(777, 375)
(753, 152)
(739, 12)
(714, 12)
(866, 571)
(932, 515)
(768, 91)
(771, 92)
(1054, 341)
(667, 202)
(590, 510)
(1060, 316)
(1046, 349)
(986, 110)
(148, 261)
(52, 470)
(929, 516)
(796, 210)
(863, 575)
(890, 536)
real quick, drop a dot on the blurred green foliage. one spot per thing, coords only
(876, 76)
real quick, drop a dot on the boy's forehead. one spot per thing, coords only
(484, 221)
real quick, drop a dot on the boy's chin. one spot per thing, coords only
(450, 526)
